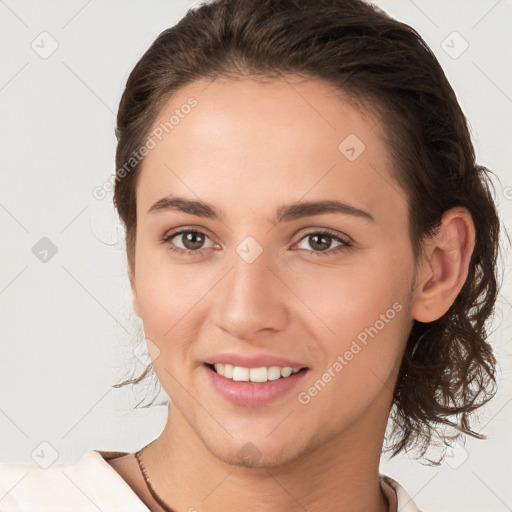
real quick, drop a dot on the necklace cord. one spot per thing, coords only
(163, 504)
(148, 484)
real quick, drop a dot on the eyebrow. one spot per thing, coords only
(284, 213)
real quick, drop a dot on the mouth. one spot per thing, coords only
(254, 375)
(253, 387)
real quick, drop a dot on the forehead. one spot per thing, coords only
(273, 142)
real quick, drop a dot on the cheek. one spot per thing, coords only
(362, 363)
(363, 330)
(353, 296)
(167, 307)
(166, 295)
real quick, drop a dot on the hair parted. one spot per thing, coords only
(448, 370)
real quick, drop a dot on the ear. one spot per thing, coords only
(133, 287)
(444, 266)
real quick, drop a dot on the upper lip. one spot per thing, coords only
(253, 361)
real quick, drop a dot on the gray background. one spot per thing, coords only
(68, 331)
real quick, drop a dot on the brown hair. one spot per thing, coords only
(448, 369)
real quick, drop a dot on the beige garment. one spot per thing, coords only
(91, 484)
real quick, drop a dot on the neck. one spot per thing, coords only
(341, 475)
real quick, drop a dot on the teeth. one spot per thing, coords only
(228, 371)
(258, 374)
(240, 374)
(286, 372)
(263, 374)
(273, 373)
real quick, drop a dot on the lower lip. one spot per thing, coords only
(252, 394)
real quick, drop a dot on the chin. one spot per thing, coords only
(257, 453)
(249, 456)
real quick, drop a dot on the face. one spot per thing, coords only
(259, 282)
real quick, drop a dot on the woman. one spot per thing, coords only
(312, 252)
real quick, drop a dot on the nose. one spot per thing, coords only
(252, 298)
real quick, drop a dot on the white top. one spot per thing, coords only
(91, 484)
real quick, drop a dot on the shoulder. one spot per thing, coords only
(88, 484)
(397, 495)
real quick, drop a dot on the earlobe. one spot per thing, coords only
(444, 268)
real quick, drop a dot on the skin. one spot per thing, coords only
(249, 148)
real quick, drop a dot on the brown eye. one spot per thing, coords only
(191, 240)
(320, 242)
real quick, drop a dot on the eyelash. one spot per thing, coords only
(345, 243)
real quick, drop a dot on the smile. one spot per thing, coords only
(253, 387)
(262, 374)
